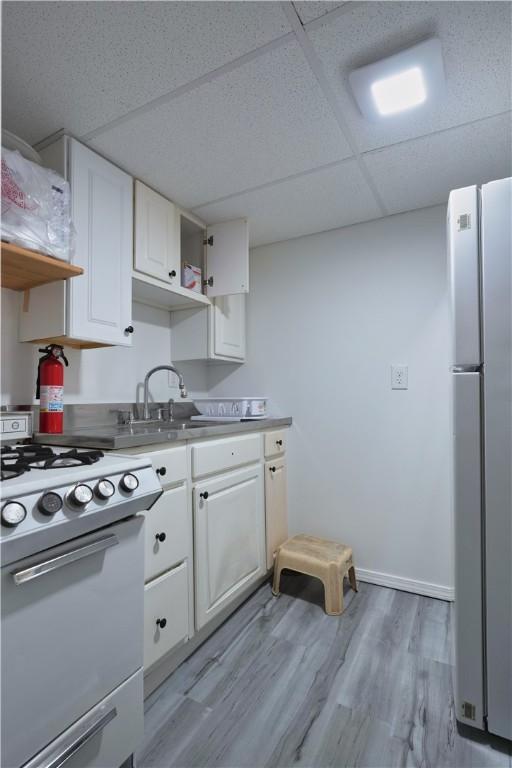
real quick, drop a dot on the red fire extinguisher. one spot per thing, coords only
(50, 389)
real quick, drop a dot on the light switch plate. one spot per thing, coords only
(399, 377)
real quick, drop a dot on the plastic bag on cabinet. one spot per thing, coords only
(35, 207)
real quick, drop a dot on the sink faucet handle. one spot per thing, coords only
(124, 417)
(170, 406)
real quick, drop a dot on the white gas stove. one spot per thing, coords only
(72, 582)
(49, 495)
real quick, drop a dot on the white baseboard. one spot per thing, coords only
(406, 585)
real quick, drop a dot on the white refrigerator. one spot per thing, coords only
(480, 263)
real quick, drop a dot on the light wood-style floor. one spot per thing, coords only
(282, 684)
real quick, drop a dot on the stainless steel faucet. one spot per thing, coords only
(181, 384)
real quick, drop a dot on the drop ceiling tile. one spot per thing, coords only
(78, 65)
(263, 121)
(422, 172)
(313, 9)
(315, 202)
(477, 51)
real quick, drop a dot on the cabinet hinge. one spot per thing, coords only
(208, 282)
(208, 241)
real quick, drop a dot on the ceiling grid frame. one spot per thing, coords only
(331, 15)
(320, 55)
(319, 73)
(367, 153)
(192, 85)
(276, 182)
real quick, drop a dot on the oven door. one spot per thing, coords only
(72, 619)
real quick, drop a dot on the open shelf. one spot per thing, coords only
(148, 290)
(23, 269)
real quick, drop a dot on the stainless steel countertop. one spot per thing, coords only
(131, 436)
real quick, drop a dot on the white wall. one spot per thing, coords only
(327, 316)
(108, 375)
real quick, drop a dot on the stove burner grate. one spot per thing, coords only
(15, 460)
(72, 458)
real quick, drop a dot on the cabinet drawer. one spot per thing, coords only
(218, 455)
(114, 741)
(275, 442)
(168, 520)
(165, 599)
(170, 465)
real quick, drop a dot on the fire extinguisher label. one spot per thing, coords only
(51, 399)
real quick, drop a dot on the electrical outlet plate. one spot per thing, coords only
(399, 377)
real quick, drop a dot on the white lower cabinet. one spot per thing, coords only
(229, 537)
(274, 443)
(167, 532)
(216, 456)
(166, 613)
(211, 534)
(276, 506)
(168, 557)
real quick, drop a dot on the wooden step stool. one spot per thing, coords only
(326, 560)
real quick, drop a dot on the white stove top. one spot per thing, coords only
(39, 479)
(44, 507)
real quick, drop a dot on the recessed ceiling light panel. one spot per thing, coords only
(401, 83)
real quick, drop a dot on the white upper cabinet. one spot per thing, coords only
(227, 327)
(216, 332)
(96, 309)
(102, 205)
(167, 239)
(157, 236)
(227, 258)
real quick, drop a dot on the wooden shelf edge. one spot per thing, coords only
(68, 341)
(22, 269)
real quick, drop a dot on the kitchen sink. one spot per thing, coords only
(157, 425)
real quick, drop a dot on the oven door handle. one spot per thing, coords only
(39, 569)
(58, 753)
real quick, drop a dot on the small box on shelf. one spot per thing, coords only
(192, 278)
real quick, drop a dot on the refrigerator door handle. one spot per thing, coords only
(467, 368)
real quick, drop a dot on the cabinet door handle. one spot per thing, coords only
(160, 536)
(161, 471)
(161, 623)
(272, 469)
(279, 442)
(129, 329)
(204, 495)
(172, 273)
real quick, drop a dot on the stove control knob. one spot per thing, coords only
(49, 503)
(104, 489)
(129, 483)
(80, 495)
(13, 513)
